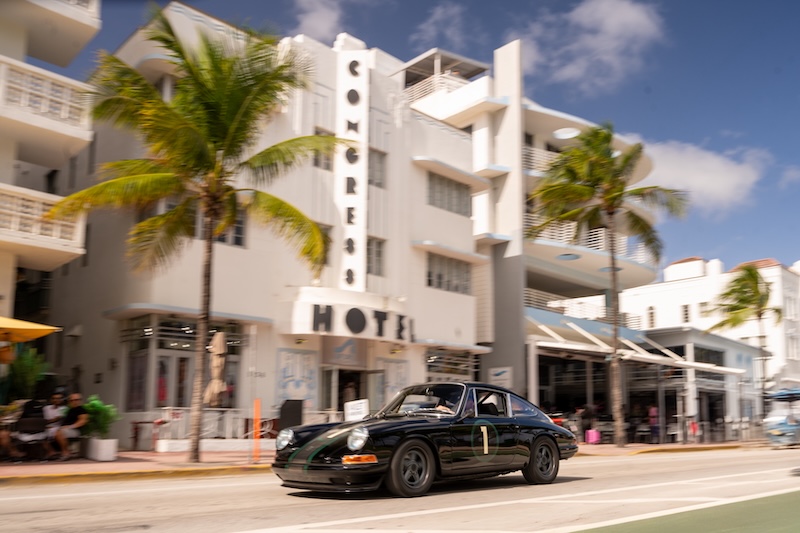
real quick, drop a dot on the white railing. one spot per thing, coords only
(437, 82)
(21, 211)
(564, 232)
(577, 309)
(43, 93)
(219, 423)
(537, 159)
(92, 6)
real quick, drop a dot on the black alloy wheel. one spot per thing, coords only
(411, 470)
(542, 467)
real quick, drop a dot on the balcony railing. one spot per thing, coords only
(564, 232)
(21, 212)
(437, 82)
(89, 5)
(43, 93)
(577, 309)
(537, 159)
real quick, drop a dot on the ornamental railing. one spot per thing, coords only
(37, 91)
(21, 212)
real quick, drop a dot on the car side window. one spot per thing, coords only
(520, 407)
(491, 403)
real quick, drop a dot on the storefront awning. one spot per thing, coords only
(636, 352)
(446, 345)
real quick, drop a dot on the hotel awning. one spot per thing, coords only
(635, 353)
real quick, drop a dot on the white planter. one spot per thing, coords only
(102, 449)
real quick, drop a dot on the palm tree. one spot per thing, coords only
(587, 186)
(200, 143)
(747, 297)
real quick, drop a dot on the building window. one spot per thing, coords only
(703, 308)
(377, 168)
(235, 234)
(92, 159)
(685, 314)
(375, 256)
(137, 373)
(326, 230)
(651, 317)
(73, 171)
(528, 140)
(323, 161)
(86, 240)
(450, 195)
(449, 274)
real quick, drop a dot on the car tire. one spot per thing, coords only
(411, 470)
(542, 467)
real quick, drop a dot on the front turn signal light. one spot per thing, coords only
(359, 459)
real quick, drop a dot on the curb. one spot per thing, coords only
(687, 448)
(72, 477)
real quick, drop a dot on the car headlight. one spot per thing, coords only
(285, 436)
(357, 438)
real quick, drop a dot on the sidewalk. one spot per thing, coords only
(138, 464)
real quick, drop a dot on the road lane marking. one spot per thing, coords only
(543, 499)
(667, 512)
(181, 488)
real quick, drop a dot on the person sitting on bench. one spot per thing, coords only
(76, 418)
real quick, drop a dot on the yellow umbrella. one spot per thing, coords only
(13, 330)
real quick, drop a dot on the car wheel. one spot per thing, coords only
(411, 469)
(542, 467)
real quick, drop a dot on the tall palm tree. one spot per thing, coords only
(587, 185)
(200, 143)
(746, 297)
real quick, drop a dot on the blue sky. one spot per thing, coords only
(711, 87)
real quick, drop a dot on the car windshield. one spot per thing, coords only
(440, 398)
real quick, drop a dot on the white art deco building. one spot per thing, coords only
(429, 277)
(44, 123)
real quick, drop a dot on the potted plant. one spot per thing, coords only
(101, 416)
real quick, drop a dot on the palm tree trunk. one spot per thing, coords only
(201, 354)
(616, 364)
(762, 352)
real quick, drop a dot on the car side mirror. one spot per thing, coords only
(469, 413)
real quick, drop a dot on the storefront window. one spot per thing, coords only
(137, 372)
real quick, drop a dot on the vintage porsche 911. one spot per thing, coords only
(426, 433)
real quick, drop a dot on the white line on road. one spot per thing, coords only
(161, 488)
(545, 499)
(668, 512)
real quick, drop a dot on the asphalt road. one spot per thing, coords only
(731, 490)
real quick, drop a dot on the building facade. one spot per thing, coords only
(430, 276)
(44, 124)
(689, 291)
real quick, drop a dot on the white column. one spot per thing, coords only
(8, 283)
(533, 371)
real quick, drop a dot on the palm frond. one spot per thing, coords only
(154, 241)
(291, 224)
(126, 192)
(642, 229)
(279, 158)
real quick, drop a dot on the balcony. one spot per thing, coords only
(564, 232)
(56, 30)
(46, 114)
(536, 159)
(38, 244)
(452, 99)
(578, 309)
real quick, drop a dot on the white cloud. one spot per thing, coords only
(445, 27)
(319, 19)
(592, 48)
(717, 182)
(790, 176)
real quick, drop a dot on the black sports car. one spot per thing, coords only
(426, 433)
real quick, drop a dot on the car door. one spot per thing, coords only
(485, 441)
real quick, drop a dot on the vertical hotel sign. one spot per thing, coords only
(351, 168)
